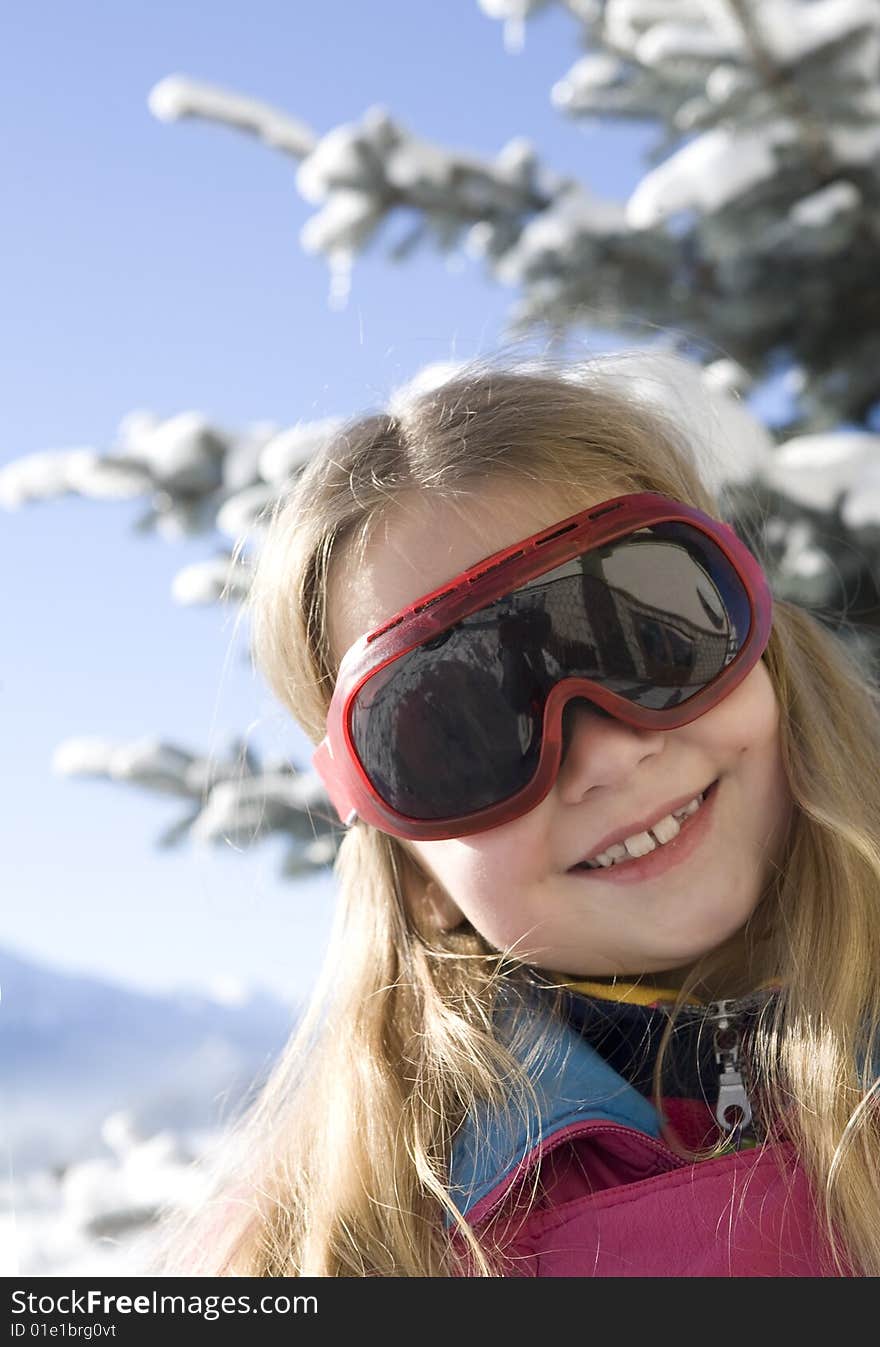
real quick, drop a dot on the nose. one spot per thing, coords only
(575, 715)
(597, 748)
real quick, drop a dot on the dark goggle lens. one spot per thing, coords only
(454, 726)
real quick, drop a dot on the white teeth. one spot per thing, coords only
(606, 858)
(666, 829)
(640, 844)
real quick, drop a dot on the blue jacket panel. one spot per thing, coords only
(573, 1084)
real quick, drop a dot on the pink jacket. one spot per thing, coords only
(613, 1200)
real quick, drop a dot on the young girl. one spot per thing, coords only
(604, 984)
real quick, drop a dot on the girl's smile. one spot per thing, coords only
(694, 831)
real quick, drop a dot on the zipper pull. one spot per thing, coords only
(733, 1112)
(732, 1099)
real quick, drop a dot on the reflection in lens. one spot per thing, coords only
(437, 731)
(454, 725)
(654, 617)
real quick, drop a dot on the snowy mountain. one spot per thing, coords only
(75, 1049)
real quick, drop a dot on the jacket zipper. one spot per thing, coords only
(733, 1111)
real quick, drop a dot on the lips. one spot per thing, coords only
(640, 826)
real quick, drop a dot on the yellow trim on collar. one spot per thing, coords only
(634, 993)
(641, 994)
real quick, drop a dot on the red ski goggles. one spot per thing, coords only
(448, 719)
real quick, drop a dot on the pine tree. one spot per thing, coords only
(751, 244)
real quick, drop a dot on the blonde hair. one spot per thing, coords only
(341, 1165)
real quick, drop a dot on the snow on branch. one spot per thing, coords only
(234, 800)
(178, 96)
(197, 477)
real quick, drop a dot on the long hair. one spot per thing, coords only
(339, 1168)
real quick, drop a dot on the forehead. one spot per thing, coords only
(422, 541)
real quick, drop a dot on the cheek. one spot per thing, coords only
(472, 874)
(746, 732)
(487, 875)
(746, 722)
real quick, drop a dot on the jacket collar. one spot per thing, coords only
(572, 1083)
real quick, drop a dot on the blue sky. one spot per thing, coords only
(156, 266)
